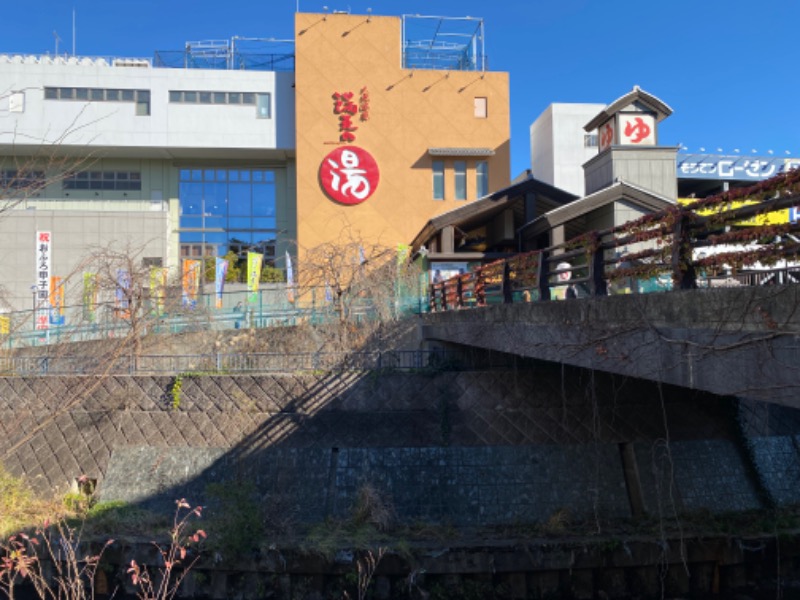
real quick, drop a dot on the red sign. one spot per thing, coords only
(637, 130)
(349, 175)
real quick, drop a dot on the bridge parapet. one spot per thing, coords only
(742, 342)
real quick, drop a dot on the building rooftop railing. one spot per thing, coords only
(235, 61)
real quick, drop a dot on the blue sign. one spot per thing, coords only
(733, 168)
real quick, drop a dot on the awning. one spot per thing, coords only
(460, 151)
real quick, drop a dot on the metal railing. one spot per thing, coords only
(673, 249)
(243, 363)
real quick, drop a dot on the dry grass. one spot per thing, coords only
(373, 508)
(20, 509)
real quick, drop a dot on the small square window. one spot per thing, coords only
(97, 94)
(82, 93)
(234, 98)
(176, 96)
(219, 98)
(190, 97)
(51, 93)
(128, 95)
(205, 97)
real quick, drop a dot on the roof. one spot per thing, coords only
(620, 190)
(487, 207)
(637, 94)
(460, 151)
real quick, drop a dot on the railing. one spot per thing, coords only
(222, 363)
(239, 310)
(677, 248)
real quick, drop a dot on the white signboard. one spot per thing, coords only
(637, 130)
(44, 241)
(605, 135)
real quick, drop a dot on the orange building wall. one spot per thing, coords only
(409, 112)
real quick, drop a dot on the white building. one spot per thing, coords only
(178, 162)
(560, 146)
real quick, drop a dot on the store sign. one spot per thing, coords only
(606, 135)
(349, 175)
(637, 130)
(736, 168)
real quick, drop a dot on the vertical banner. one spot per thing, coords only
(5, 325)
(123, 294)
(158, 286)
(90, 297)
(44, 241)
(191, 282)
(289, 278)
(220, 272)
(253, 274)
(56, 300)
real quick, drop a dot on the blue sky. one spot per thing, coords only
(729, 69)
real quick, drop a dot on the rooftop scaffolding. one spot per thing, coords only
(443, 43)
(238, 53)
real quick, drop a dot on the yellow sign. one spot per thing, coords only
(776, 217)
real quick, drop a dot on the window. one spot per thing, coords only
(438, 180)
(590, 140)
(142, 103)
(104, 180)
(481, 178)
(263, 108)
(212, 97)
(140, 97)
(152, 261)
(228, 209)
(28, 180)
(481, 107)
(460, 168)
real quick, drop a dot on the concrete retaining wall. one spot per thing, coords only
(469, 448)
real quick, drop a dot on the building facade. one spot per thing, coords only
(416, 141)
(348, 128)
(560, 146)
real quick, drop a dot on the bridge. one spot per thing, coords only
(726, 320)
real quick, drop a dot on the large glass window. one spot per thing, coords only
(226, 210)
(438, 180)
(481, 178)
(460, 168)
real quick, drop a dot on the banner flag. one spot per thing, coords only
(56, 300)
(191, 281)
(90, 297)
(123, 294)
(289, 278)
(158, 286)
(253, 274)
(220, 271)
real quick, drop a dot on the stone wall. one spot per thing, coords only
(470, 448)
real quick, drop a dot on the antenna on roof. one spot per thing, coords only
(73, 31)
(58, 39)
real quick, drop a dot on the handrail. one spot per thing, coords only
(658, 244)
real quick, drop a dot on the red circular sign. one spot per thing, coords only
(349, 175)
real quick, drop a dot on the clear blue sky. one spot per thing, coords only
(728, 68)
